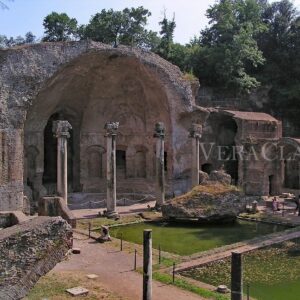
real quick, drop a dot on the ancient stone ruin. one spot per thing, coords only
(83, 117)
(212, 202)
(89, 84)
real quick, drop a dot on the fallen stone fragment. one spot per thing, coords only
(76, 250)
(78, 291)
(92, 276)
(222, 289)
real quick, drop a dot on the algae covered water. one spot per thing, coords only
(186, 239)
(272, 273)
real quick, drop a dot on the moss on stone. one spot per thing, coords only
(215, 189)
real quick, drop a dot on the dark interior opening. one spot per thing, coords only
(291, 174)
(271, 185)
(50, 154)
(121, 163)
(226, 137)
(207, 168)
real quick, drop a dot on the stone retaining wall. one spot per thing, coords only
(30, 250)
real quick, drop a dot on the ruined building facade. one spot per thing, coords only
(89, 84)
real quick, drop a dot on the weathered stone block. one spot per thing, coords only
(30, 250)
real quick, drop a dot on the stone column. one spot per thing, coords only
(160, 164)
(195, 134)
(298, 175)
(111, 133)
(236, 276)
(61, 132)
(147, 265)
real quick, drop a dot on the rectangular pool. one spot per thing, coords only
(186, 239)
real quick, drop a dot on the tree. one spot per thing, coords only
(3, 41)
(6, 42)
(30, 38)
(125, 27)
(149, 40)
(229, 50)
(167, 33)
(59, 27)
(179, 55)
(281, 47)
(3, 5)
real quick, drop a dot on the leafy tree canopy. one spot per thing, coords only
(125, 27)
(167, 35)
(59, 27)
(229, 49)
(6, 42)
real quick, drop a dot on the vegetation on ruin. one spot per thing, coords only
(189, 76)
(212, 188)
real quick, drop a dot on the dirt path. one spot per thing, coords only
(115, 271)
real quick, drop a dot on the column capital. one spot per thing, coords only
(159, 130)
(111, 128)
(195, 131)
(61, 129)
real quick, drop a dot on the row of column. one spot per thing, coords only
(61, 132)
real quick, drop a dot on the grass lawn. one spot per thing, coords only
(53, 287)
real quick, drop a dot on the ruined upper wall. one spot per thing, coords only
(24, 72)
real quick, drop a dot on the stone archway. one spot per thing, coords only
(97, 83)
(109, 90)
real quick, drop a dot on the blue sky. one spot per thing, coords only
(28, 15)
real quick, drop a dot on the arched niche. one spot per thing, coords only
(140, 160)
(94, 156)
(96, 88)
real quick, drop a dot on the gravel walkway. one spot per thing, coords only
(115, 271)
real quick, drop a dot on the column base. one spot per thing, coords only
(158, 206)
(112, 215)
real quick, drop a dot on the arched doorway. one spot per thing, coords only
(271, 185)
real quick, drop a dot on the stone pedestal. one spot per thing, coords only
(61, 132)
(111, 133)
(159, 134)
(195, 134)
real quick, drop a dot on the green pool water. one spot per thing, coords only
(272, 273)
(186, 239)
